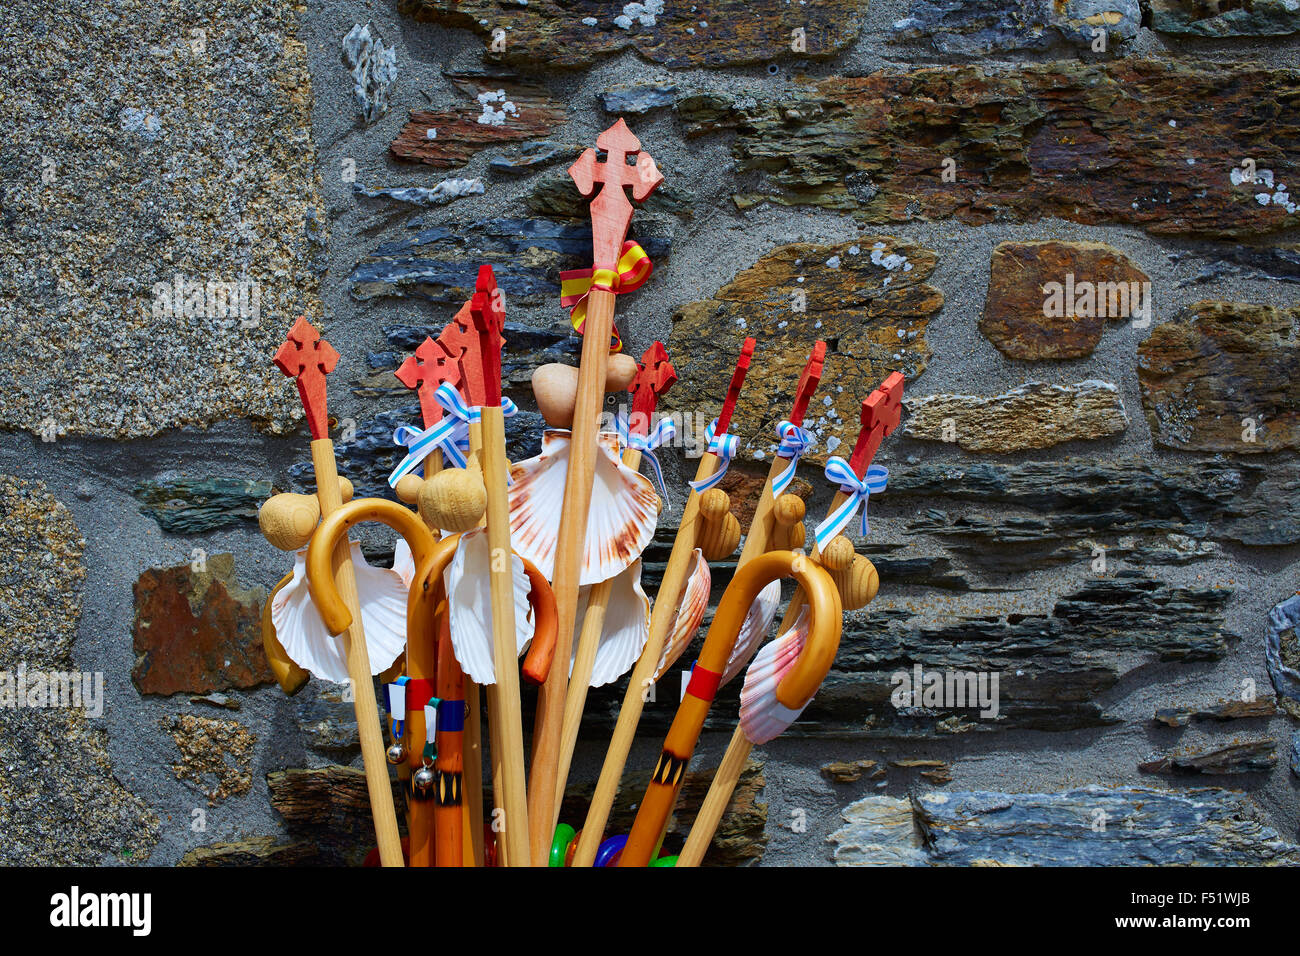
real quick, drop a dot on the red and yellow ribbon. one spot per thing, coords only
(634, 267)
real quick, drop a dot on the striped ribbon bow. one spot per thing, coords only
(795, 441)
(664, 431)
(858, 490)
(724, 447)
(451, 434)
(634, 267)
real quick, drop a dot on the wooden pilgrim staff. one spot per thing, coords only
(655, 376)
(713, 464)
(880, 416)
(308, 358)
(611, 214)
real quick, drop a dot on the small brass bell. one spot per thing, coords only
(423, 782)
(396, 753)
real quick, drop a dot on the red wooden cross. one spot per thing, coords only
(611, 213)
(487, 310)
(808, 382)
(656, 376)
(307, 357)
(881, 412)
(424, 371)
(737, 380)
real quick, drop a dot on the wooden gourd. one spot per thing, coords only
(408, 489)
(555, 387)
(854, 575)
(453, 500)
(719, 530)
(289, 520)
(788, 531)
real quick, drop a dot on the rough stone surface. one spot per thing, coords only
(634, 99)
(1035, 415)
(1063, 139)
(1223, 376)
(710, 33)
(1250, 756)
(504, 110)
(71, 810)
(1138, 826)
(1015, 315)
(134, 157)
(1224, 18)
(195, 505)
(869, 300)
(220, 749)
(972, 28)
(1226, 710)
(198, 630)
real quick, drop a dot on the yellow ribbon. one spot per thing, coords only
(634, 267)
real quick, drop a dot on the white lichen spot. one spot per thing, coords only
(742, 324)
(833, 262)
(832, 443)
(589, 21)
(854, 250)
(491, 115)
(431, 133)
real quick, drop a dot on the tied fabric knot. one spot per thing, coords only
(664, 431)
(859, 491)
(451, 435)
(633, 268)
(795, 442)
(724, 448)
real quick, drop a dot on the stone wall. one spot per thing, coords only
(1067, 222)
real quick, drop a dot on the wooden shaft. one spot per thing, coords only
(593, 624)
(373, 754)
(638, 688)
(474, 774)
(549, 727)
(504, 709)
(724, 782)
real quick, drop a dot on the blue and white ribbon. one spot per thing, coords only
(451, 435)
(858, 490)
(664, 431)
(795, 441)
(724, 447)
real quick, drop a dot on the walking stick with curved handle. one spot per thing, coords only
(794, 691)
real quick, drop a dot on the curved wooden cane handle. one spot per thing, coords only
(541, 652)
(320, 575)
(795, 690)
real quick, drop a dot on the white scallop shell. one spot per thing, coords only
(755, 627)
(404, 561)
(762, 716)
(620, 522)
(692, 604)
(302, 633)
(470, 600)
(626, 627)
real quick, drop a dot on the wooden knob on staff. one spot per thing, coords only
(719, 533)
(838, 555)
(288, 521)
(453, 500)
(345, 490)
(788, 530)
(857, 584)
(555, 387)
(408, 489)
(620, 372)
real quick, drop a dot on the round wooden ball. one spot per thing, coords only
(345, 490)
(714, 503)
(619, 372)
(453, 500)
(838, 555)
(288, 521)
(858, 585)
(408, 489)
(555, 387)
(788, 510)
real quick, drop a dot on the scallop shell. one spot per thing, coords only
(626, 629)
(620, 522)
(690, 611)
(470, 600)
(302, 633)
(762, 716)
(757, 622)
(403, 562)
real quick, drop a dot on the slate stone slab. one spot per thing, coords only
(1225, 18)
(1089, 826)
(974, 28)
(196, 505)
(1063, 139)
(1247, 756)
(1223, 376)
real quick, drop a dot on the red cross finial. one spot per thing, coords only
(611, 213)
(881, 412)
(487, 309)
(655, 377)
(307, 357)
(812, 376)
(737, 380)
(424, 371)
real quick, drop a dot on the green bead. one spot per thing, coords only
(664, 861)
(564, 835)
